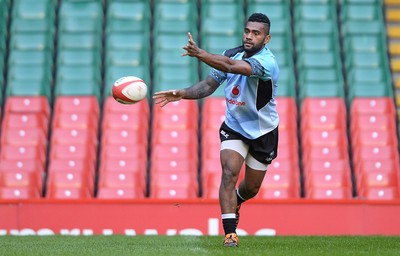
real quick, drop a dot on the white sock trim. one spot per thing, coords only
(228, 216)
(237, 193)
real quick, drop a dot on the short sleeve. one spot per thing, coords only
(218, 75)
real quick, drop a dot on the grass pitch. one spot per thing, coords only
(193, 245)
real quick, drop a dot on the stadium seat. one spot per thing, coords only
(19, 193)
(67, 193)
(17, 179)
(329, 193)
(70, 179)
(119, 193)
(122, 179)
(384, 193)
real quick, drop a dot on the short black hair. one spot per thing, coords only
(260, 17)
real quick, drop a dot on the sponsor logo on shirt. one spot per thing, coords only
(235, 91)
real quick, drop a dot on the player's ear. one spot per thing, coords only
(267, 38)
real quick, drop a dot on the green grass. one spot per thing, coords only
(192, 245)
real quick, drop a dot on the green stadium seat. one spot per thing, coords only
(81, 25)
(24, 41)
(41, 9)
(127, 41)
(317, 43)
(280, 43)
(315, 11)
(170, 42)
(77, 73)
(175, 11)
(117, 57)
(275, 11)
(364, 59)
(29, 73)
(363, 43)
(129, 10)
(316, 60)
(320, 75)
(83, 88)
(214, 26)
(78, 57)
(219, 43)
(286, 82)
(167, 77)
(173, 58)
(321, 90)
(87, 9)
(365, 12)
(309, 27)
(127, 26)
(356, 27)
(29, 26)
(39, 58)
(175, 27)
(369, 89)
(79, 41)
(229, 11)
(35, 88)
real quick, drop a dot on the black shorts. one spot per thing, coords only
(264, 149)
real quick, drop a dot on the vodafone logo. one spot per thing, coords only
(235, 91)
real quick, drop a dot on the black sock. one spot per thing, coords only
(229, 225)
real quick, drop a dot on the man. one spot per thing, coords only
(249, 133)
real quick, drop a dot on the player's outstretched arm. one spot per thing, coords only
(199, 90)
(220, 62)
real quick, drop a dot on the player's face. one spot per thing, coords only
(254, 37)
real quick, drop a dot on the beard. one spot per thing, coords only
(253, 49)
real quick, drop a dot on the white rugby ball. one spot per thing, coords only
(129, 90)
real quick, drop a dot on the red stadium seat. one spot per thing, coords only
(281, 179)
(334, 165)
(112, 106)
(21, 179)
(182, 106)
(278, 193)
(121, 164)
(212, 121)
(71, 165)
(77, 104)
(122, 151)
(323, 121)
(174, 165)
(73, 136)
(19, 193)
(324, 138)
(286, 106)
(68, 179)
(175, 137)
(21, 165)
(214, 105)
(129, 121)
(71, 151)
(122, 179)
(175, 180)
(25, 121)
(124, 136)
(23, 152)
(323, 152)
(329, 193)
(68, 193)
(27, 104)
(379, 105)
(371, 165)
(374, 138)
(371, 152)
(173, 193)
(75, 120)
(29, 136)
(171, 152)
(372, 122)
(328, 179)
(378, 179)
(175, 121)
(119, 193)
(323, 105)
(379, 193)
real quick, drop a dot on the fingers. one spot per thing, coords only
(190, 38)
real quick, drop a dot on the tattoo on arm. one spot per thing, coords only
(201, 89)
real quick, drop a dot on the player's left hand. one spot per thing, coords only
(191, 47)
(165, 97)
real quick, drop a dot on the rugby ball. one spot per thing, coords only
(129, 90)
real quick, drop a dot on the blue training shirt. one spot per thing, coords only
(250, 100)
